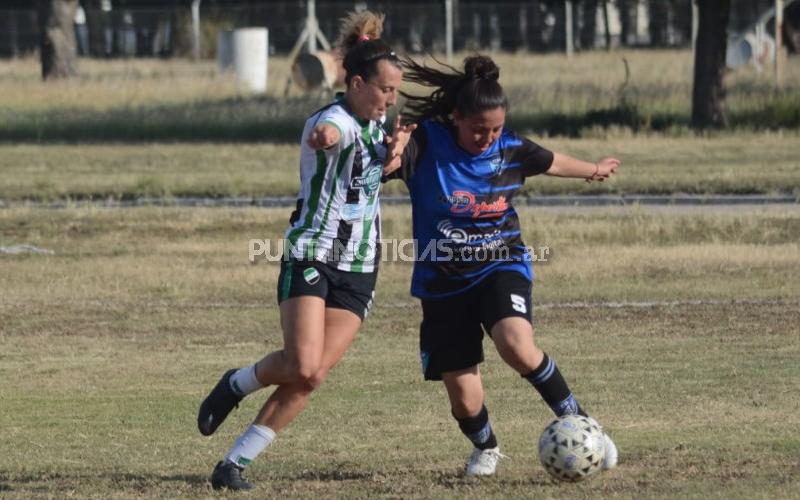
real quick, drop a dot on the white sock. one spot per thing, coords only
(244, 381)
(247, 447)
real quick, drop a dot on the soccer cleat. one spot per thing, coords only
(483, 462)
(217, 405)
(610, 456)
(229, 475)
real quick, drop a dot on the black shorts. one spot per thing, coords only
(451, 333)
(340, 289)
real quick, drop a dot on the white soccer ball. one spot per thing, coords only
(572, 447)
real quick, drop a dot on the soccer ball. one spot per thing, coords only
(572, 447)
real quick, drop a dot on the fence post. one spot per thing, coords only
(568, 28)
(779, 42)
(694, 24)
(196, 30)
(448, 29)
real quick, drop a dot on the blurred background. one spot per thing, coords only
(133, 70)
(163, 28)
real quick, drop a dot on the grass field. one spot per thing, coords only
(108, 345)
(744, 163)
(134, 101)
(676, 327)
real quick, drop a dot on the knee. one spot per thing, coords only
(310, 381)
(466, 408)
(305, 372)
(314, 381)
(467, 403)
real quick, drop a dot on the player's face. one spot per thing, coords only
(478, 131)
(373, 97)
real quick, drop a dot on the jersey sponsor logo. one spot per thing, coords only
(465, 202)
(459, 236)
(371, 180)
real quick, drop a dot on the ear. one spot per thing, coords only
(357, 83)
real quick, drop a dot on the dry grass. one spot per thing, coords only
(107, 347)
(135, 100)
(740, 163)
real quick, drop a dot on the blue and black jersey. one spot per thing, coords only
(464, 224)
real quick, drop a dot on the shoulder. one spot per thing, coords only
(334, 114)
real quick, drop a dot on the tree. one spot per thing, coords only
(708, 95)
(57, 38)
(659, 22)
(588, 10)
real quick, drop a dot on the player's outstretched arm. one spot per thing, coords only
(323, 136)
(567, 166)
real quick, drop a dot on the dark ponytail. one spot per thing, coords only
(361, 46)
(472, 90)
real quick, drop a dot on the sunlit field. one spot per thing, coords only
(675, 326)
(588, 95)
(747, 163)
(677, 330)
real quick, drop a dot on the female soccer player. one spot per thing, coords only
(328, 273)
(472, 271)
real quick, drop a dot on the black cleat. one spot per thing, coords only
(229, 475)
(217, 405)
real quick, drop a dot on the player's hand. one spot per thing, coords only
(323, 136)
(401, 134)
(604, 169)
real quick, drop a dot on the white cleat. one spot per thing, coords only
(610, 457)
(483, 462)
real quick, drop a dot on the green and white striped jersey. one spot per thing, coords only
(337, 220)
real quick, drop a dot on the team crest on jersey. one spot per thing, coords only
(371, 180)
(495, 163)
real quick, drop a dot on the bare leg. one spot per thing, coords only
(288, 400)
(303, 323)
(513, 338)
(465, 390)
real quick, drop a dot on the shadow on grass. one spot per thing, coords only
(8, 479)
(273, 120)
(331, 475)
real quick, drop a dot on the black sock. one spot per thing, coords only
(547, 379)
(478, 429)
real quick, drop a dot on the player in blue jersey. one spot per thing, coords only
(472, 271)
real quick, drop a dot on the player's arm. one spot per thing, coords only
(404, 165)
(567, 166)
(396, 145)
(323, 136)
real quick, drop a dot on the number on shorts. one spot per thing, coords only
(518, 303)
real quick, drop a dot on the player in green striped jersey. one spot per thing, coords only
(328, 273)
